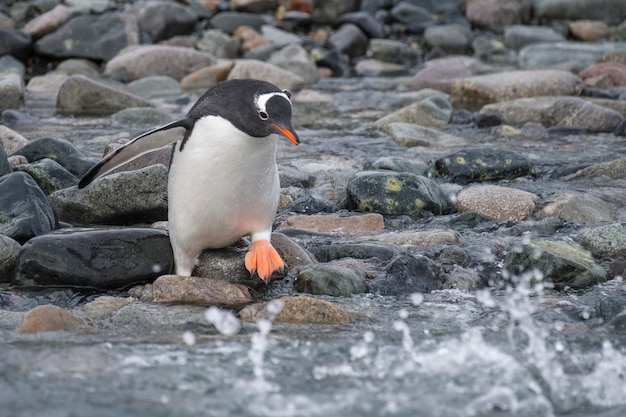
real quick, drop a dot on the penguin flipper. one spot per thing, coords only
(142, 144)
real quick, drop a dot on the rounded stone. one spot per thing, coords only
(331, 279)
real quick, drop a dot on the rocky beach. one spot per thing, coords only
(453, 221)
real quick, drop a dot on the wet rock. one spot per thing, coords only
(409, 134)
(75, 66)
(614, 71)
(15, 42)
(7, 62)
(442, 73)
(82, 95)
(99, 258)
(608, 240)
(393, 51)
(163, 19)
(350, 40)
(618, 56)
(11, 90)
(50, 318)
(332, 223)
(410, 14)
(420, 238)
(610, 11)
(252, 68)
(508, 85)
(331, 279)
(580, 207)
(294, 255)
(102, 307)
(518, 36)
(280, 37)
(612, 169)
(297, 310)
(25, 210)
(157, 86)
(9, 253)
(414, 166)
(365, 21)
(365, 250)
(607, 308)
(542, 55)
(141, 61)
(97, 37)
(126, 197)
(196, 290)
(573, 112)
(49, 175)
(406, 274)
(230, 21)
(588, 30)
(453, 38)
(459, 278)
(495, 15)
(563, 264)
(10, 141)
(431, 108)
(219, 44)
(226, 264)
(482, 164)
(396, 193)
(60, 150)
(497, 203)
(48, 22)
(144, 117)
(296, 59)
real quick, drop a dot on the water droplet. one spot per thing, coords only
(156, 268)
(368, 337)
(417, 298)
(224, 321)
(189, 338)
(403, 313)
(275, 306)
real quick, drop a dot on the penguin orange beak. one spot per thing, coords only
(288, 133)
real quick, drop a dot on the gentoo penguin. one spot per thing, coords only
(223, 179)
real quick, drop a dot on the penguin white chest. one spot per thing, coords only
(222, 185)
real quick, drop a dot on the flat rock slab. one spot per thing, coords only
(298, 310)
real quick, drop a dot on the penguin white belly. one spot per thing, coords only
(223, 185)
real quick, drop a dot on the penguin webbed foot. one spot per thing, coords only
(263, 260)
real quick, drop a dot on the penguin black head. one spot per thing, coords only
(258, 108)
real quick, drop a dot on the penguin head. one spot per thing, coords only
(258, 108)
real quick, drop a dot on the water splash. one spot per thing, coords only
(224, 320)
(260, 344)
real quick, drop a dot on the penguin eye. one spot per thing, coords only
(263, 115)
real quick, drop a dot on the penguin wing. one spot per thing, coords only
(142, 144)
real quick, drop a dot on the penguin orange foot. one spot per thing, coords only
(263, 259)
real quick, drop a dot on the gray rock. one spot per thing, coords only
(495, 15)
(610, 11)
(406, 274)
(497, 203)
(392, 51)
(204, 291)
(482, 164)
(563, 264)
(49, 175)
(577, 113)
(15, 42)
(219, 44)
(144, 117)
(5, 168)
(75, 66)
(156, 86)
(327, 11)
(375, 68)
(126, 197)
(62, 151)
(229, 21)
(83, 95)
(11, 90)
(608, 240)
(413, 166)
(410, 14)
(280, 37)
(8, 62)
(226, 264)
(518, 36)
(550, 54)
(9, 253)
(142, 61)
(580, 207)
(350, 40)
(25, 211)
(431, 108)
(459, 278)
(606, 308)
(611, 169)
(452, 38)
(409, 134)
(396, 193)
(365, 250)
(97, 37)
(296, 59)
(251, 68)
(365, 21)
(99, 258)
(164, 19)
(48, 22)
(441, 73)
(331, 279)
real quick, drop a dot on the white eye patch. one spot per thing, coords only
(262, 99)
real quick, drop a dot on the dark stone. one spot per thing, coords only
(164, 19)
(62, 151)
(9, 253)
(608, 307)
(5, 168)
(396, 193)
(365, 21)
(406, 275)
(620, 130)
(410, 14)
(350, 40)
(49, 175)
(24, 209)
(380, 251)
(97, 37)
(482, 164)
(16, 43)
(12, 117)
(487, 119)
(331, 279)
(333, 59)
(311, 205)
(98, 258)
(229, 21)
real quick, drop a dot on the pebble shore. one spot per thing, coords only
(446, 145)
